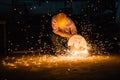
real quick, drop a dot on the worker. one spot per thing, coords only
(63, 28)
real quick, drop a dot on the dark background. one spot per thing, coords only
(26, 24)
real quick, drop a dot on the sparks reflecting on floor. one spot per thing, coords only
(36, 62)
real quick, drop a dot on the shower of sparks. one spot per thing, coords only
(49, 61)
(72, 56)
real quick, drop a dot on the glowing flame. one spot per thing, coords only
(78, 45)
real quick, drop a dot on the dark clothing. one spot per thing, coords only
(60, 43)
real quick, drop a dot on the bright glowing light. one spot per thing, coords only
(78, 46)
(79, 52)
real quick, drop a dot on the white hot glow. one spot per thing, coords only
(78, 45)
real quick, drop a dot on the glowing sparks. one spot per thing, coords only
(47, 61)
(77, 54)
